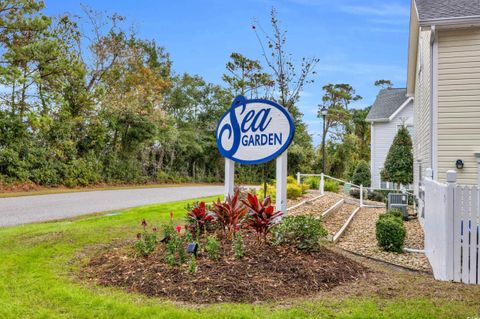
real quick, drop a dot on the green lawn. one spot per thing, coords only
(37, 262)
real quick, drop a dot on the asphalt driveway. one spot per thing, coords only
(29, 209)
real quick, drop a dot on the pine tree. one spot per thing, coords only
(398, 167)
(362, 175)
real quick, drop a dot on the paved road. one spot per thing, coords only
(29, 209)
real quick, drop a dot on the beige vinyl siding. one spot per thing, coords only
(422, 109)
(459, 102)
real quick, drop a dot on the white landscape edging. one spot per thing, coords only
(333, 208)
(304, 202)
(340, 232)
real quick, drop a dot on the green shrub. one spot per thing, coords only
(291, 180)
(212, 247)
(304, 232)
(313, 182)
(304, 188)
(362, 175)
(146, 241)
(375, 196)
(330, 186)
(271, 191)
(390, 233)
(192, 265)
(396, 212)
(238, 248)
(294, 191)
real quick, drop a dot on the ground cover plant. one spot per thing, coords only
(40, 262)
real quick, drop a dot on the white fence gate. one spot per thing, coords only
(452, 226)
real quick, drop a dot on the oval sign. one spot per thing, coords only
(254, 131)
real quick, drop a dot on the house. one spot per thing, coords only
(444, 80)
(392, 109)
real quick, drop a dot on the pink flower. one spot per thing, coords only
(178, 229)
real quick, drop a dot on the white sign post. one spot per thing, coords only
(255, 132)
(229, 177)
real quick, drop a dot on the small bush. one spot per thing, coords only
(291, 180)
(261, 214)
(304, 232)
(390, 233)
(146, 241)
(199, 218)
(396, 212)
(312, 182)
(229, 214)
(212, 247)
(192, 265)
(376, 196)
(330, 186)
(175, 250)
(355, 193)
(271, 191)
(362, 175)
(238, 248)
(294, 191)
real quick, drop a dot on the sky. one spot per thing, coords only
(357, 41)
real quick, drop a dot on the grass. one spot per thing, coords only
(37, 262)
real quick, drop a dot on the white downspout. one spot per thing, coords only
(434, 101)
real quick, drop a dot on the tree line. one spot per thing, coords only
(85, 100)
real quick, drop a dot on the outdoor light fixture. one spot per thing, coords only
(192, 248)
(323, 112)
(459, 164)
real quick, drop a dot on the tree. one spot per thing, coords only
(398, 167)
(384, 84)
(289, 79)
(247, 76)
(362, 175)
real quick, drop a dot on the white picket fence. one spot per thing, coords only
(452, 225)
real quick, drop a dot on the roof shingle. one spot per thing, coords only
(443, 9)
(386, 103)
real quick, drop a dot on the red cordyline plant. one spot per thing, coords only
(199, 217)
(229, 213)
(262, 215)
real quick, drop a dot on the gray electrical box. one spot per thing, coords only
(398, 201)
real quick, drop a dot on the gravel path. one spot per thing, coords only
(317, 207)
(360, 238)
(336, 220)
(29, 209)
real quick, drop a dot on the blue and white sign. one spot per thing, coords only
(254, 131)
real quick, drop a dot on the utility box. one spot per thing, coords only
(398, 201)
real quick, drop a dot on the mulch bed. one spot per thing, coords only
(265, 273)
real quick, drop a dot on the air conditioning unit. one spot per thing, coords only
(398, 201)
